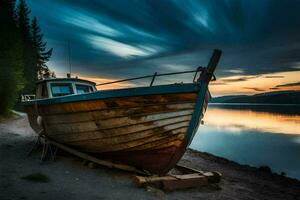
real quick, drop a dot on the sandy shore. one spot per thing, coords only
(70, 179)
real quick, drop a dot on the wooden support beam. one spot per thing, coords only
(94, 159)
(194, 178)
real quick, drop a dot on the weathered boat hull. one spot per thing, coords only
(148, 127)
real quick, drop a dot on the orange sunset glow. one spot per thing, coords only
(248, 84)
(105, 80)
(255, 84)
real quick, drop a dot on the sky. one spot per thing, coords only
(116, 39)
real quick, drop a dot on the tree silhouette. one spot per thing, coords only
(23, 53)
(30, 69)
(42, 55)
(11, 62)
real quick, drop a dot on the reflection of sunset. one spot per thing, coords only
(237, 120)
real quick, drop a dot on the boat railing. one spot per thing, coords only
(155, 75)
(207, 73)
(27, 97)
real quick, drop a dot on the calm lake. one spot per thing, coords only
(253, 134)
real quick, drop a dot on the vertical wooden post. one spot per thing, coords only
(196, 73)
(203, 80)
(153, 78)
(213, 62)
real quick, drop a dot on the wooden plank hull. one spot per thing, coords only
(158, 161)
(147, 131)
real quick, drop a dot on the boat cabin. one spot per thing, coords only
(50, 88)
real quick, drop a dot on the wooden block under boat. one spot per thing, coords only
(174, 182)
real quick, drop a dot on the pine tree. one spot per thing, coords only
(42, 54)
(11, 65)
(23, 53)
(30, 69)
(23, 18)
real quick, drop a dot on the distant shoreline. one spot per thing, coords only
(287, 109)
(269, 98)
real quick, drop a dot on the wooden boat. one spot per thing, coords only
(146, 127)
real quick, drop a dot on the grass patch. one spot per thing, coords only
(37, 178)
(2, 119)
(7, 116)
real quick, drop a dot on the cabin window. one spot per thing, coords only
(81, 89)
(61, 89)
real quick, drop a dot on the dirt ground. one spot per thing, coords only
(69, 178)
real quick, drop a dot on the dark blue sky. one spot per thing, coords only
(122, 38)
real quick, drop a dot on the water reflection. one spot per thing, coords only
(255, 136)
(239, 120)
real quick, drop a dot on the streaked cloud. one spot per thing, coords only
(255, 89)
(236, 71)
(88, 23)
(255, 84)
(119, 48)
(289, 84)
(118, 39)
(237, 78)
(273, 76)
